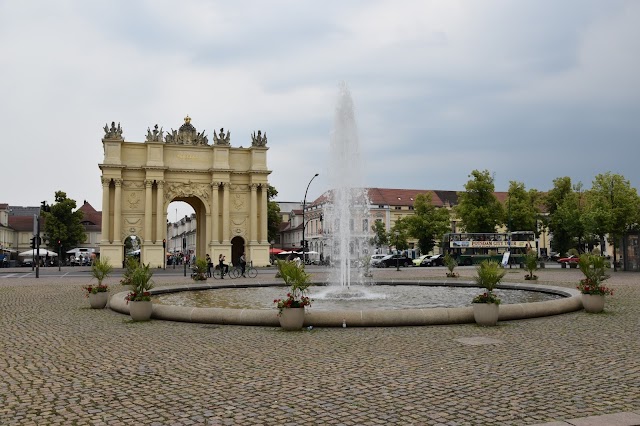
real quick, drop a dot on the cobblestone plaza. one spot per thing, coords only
(63, 363)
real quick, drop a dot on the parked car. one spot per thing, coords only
(393, 260)
(375, 258)
(435, 260)
(573, 259)
(418, 260)
(26, 261)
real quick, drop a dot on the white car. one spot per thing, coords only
(376, 258)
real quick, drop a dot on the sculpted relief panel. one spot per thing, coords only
(189, 189)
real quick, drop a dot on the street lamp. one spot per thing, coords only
(397, 257)
(304, 204)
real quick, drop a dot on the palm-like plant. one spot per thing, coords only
(451, 264)
(101, 269)
(531, 265)
(488, 275)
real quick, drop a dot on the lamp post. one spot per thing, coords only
(304, 204)
(397, 258)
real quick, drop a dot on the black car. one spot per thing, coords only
(392, 260)
(436, 260)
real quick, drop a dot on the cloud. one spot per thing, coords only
(531, 90)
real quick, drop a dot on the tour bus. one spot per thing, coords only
(473, 248)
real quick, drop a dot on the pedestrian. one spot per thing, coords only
(243, 263)
(209, 265)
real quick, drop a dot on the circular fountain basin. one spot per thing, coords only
(541, 300)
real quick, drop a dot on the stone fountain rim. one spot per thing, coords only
(571, 301)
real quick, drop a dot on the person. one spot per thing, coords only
(243, 263)
(46, 259)
(209, 265)
(224, 269)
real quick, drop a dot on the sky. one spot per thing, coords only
(530, 90)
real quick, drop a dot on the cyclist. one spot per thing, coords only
(224, 269)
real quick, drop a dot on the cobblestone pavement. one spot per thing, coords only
(63, 363)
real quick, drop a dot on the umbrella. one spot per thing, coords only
(42, 252)
(275, 251)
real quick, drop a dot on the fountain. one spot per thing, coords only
(347, 212)
(347, 226)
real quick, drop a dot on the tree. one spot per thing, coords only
(613, 207)
(273, 214)
(428, 224)
(399, 234)
(478, 208)
(565, 204)
(380, 237)
(522, 208)
(62, 223)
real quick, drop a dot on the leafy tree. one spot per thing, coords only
(565, 204)
(380, 237)
(478, 208)
(62, 223)
(522, 208)
(428, 224)
(273, 214)
(612, 207)
(399, 234)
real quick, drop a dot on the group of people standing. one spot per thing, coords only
(224, 267)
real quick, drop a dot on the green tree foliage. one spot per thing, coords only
(399, 234)
(522, 208)
(478, 208)
(273, 214)
(565, 204)
(380, 237)
(612, 207)
(428, 224)
(63, 223)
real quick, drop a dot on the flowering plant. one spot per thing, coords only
(298, 281)
(145, 296)
(95, 289)
(487, 297)
(586, 286)
(488, 276)
(141, 283)
(593, 267)
(100, 270)
(292, 302)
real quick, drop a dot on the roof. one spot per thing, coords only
(21, 223)
(89, 215)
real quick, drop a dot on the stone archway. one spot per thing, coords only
(226, 186)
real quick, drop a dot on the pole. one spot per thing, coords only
(397, 259)
(38, 246)
(59, 256)
(304, 204)
(184, 248)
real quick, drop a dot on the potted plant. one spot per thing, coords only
(139, 298)
(98, 294)
(199, 270)
(531, 265)
(593, 292)
(486, 305)
(130, 265)
(451, 264)
(291, 309)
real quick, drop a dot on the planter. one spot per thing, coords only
(593, 303)
(486, 314)
(140, 311)
(98, 300)
(292, 319)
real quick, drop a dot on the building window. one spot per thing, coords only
(398, 208)
(410, 207)
(365, 225)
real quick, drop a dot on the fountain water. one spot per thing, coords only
(347, 212)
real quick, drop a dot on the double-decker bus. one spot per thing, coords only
(473, 248)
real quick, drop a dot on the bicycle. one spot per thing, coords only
(249, 271)
(218, 275)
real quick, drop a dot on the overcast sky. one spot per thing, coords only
(530, 90)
